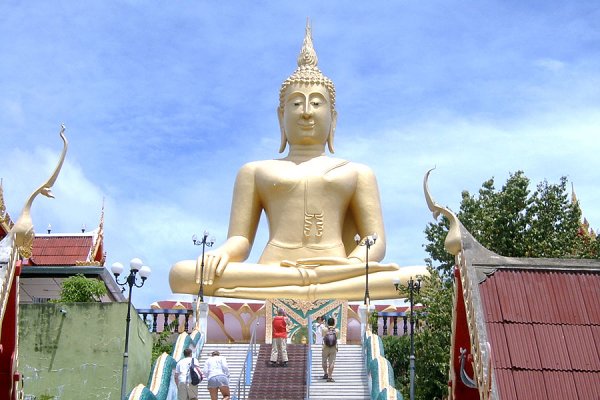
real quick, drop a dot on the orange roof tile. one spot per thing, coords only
(61, 250)
(543, 332)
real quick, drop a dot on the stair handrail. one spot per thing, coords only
(309, 360)
(247, 370)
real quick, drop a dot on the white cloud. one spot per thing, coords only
(550, 64)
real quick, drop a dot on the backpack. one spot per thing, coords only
(330, 338)
(195, 378)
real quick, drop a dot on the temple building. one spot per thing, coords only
(57, 256)
(523, 328)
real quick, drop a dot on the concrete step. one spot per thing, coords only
(289, 383)
(349, 374)
(235, 355)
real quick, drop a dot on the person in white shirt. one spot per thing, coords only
(318, 330)
(216, 372)
(185, 389)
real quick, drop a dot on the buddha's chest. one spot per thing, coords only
(289, 182)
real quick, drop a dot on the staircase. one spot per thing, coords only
(349, 375)
(235, 355)
(280, 383)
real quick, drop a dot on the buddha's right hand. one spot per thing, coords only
(214, 264)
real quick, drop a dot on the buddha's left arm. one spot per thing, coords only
(366, 209)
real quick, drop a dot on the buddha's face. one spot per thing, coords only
(306, 117)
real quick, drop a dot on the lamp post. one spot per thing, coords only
(203, 242)
(413, 286)
(136, 266)
(368, 241)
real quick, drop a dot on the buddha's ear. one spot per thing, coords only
(282, 129)
(332, 131)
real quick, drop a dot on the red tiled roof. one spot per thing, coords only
(61, 250)
(544, 331)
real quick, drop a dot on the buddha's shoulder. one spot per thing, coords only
(253, 166)
(352, 166)
(329, 163)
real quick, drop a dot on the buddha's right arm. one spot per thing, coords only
(243, 222)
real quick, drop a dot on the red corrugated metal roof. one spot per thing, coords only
(587, 384)
(535, 383)
(512, 287)
(505, 384)
(559, 392)
(540, 297)
(581, 347)
(61, 250)
(544, 331)
(589, 291)
(501, 357)
(521, 346)
(553, 337)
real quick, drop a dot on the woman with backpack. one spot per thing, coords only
(216, 372)
(330, 348)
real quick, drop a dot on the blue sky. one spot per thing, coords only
(164, 101)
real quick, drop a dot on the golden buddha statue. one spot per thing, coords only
(315, 205)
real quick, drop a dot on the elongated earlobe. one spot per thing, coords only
(332, 132)
(282, 129)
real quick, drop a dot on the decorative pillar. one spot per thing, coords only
(202, 319)
(364, 311)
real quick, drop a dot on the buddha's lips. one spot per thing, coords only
(306, 126)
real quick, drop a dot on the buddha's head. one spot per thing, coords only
(307, 102)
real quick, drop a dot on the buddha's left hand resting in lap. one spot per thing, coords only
(314, 204)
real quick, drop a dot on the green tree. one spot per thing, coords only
(79, 289)
(432, 339)
(163, 341)
(512, 222)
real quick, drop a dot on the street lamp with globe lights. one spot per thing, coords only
(204, 242)
(136, 267)
(413, 286)
(367, 241)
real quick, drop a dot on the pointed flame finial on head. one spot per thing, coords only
(307, 71)
(308, 55)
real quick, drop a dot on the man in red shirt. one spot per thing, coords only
(279, 339)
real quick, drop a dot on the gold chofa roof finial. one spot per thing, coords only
(307, 71)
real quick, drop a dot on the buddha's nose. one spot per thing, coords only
(306, 114)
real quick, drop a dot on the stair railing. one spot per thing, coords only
(310, 331)
(241, 392)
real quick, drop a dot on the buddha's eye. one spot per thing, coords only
(315, 103)
(297, 103)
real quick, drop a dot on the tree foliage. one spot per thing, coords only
(79, 289)
(163, 341)
(432, 339)
(515, 222)
(512, 221)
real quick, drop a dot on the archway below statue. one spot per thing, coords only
(302, 313)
